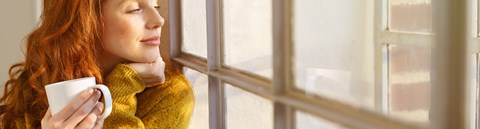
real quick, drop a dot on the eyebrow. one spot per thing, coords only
(125, 1)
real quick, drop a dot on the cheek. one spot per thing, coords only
(116, 31)
(118, 35)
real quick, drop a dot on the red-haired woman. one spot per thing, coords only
(115, 41)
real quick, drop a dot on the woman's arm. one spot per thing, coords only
(169, 105)
(124, 84)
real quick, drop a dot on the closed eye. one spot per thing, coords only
(134, 11)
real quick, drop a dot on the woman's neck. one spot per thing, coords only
(108, 62)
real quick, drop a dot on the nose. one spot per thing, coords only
(155, 20)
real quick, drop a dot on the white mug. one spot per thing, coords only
(62, 93)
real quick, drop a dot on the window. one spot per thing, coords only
(200, 89)
(304, 64)
(245, 110)
(408, 42)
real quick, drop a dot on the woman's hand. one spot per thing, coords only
(81, 113)
(153, 74)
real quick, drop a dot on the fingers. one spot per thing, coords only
(99, 124)
(153, 74)
(151, 82)
(148, 69)
(98, 109)
(140, 67)
(84, 109)
(76, 103)
(90, 120)
(160, 62)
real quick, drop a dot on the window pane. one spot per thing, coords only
(248, 35)
(194, 27)
(409, 83)
(308, 121)
(411, 15)
(245, 110)
(334, 49)
(199, 83)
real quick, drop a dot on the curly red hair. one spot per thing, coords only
(63, 47)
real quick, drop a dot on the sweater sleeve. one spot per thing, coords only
(124, 84)
(168, 106)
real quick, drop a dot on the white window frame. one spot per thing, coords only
(280, 89)
(475, 91)
(384, 37)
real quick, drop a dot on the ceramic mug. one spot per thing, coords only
(62, 93)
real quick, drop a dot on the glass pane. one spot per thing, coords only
(334, 49)
(308, 121)
(245, 110)
(248, 35)
(194, 27)
(409, 83)
(411, 15)
(199, 83)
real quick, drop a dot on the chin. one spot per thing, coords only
(147, 56)
(151, 58)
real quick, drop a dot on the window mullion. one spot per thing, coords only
(282, 66)
(477, 12)
(216, 102)
(405, 39)
(475, 45)
(476, 98)
(214, 61)
(380, 25)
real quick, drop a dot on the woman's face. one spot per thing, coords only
(131, 30)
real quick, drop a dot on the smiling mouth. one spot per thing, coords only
(153, 41)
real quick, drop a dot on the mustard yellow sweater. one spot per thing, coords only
(168, 106)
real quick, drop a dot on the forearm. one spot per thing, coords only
(124, 84)
(134, 107)
(168, 106)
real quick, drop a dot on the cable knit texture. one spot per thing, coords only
(168, 106)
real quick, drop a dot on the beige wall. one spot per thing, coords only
(17, 19)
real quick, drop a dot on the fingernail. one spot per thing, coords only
(97, 92)
(90, 91)
(101, 106)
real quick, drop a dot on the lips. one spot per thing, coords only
(152, 41)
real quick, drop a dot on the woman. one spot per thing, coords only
(116, 41)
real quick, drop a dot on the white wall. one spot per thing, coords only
(17, 19)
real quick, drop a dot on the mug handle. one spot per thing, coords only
(108, 100)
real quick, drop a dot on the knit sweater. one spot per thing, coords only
(168, 106)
